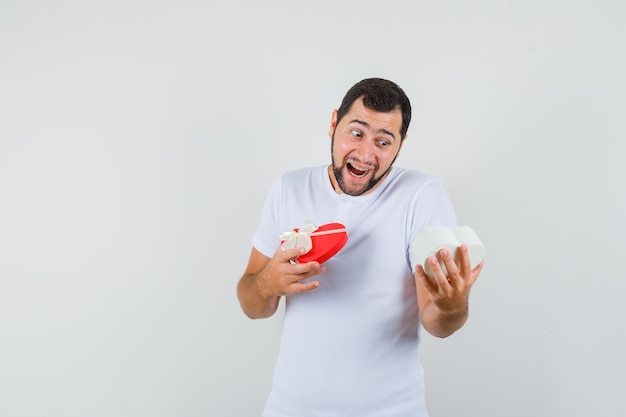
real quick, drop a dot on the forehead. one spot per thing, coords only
(391, 121)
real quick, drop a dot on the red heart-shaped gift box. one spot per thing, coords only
(327, 240)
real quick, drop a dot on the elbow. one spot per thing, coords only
(250, 312)
(253, 309)
(443, 328)
(442, 334)
(439, 332)
(253, 314)
(252, 303)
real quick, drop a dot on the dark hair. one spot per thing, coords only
(380, 95)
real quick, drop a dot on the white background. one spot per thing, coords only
(138, 140)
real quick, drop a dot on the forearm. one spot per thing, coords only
(253, 303)
(442, 323)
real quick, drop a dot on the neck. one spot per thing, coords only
(333, 180)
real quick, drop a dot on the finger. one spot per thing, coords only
(292, 273)
(449, 262)
(420, 275)
(300, 287)
(309, 269)
(464, 261)
(440, 279)
(286, 255)
(476, 270)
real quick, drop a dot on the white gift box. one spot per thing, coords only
(434, 238)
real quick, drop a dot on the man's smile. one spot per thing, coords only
(356, 171)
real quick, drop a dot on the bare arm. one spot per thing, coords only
(265, 280)
(443, 301)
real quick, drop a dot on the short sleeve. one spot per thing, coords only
(431, 207)
(265, 238)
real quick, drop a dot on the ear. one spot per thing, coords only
(333, 124)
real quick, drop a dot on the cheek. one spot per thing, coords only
(385, 159)
(341, 149)
(388, 158)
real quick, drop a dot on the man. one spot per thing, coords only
(351, 327)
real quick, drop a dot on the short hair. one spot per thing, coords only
(380, 95)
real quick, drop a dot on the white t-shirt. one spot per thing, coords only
(350, 347)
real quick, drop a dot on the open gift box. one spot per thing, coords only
(434, 238)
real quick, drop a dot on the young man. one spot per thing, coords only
(351, 330)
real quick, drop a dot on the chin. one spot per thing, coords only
(358, 188)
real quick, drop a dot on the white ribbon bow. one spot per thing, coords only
(299, 239)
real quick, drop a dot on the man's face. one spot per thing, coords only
(365, 144)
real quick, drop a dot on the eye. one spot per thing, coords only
(383, 142)
(356, 133)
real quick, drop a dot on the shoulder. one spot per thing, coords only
(415, 181)
(301, 176)
(424, 193)
(412, 175)
(429, 199)
(304, 172)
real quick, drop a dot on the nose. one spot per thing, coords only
(366, 152)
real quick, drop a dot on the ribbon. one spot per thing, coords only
(299, 239)
(302, 237)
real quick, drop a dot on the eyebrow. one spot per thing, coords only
(367, 125)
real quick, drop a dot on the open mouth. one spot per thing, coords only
(357, 172)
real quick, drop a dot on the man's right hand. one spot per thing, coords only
(282, 277)
(267, 279)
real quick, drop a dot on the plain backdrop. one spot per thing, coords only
(138, 140)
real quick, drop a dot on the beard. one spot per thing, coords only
(338, 170)
(354, 191)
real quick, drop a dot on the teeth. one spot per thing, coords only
(354, 167)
